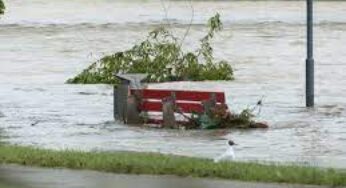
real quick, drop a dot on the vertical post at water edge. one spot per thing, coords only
(309, 58)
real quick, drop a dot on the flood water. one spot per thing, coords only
(45, 42)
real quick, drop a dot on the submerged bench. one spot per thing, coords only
(171, 102)
(132, 100)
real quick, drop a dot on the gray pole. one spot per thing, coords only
(310, 58)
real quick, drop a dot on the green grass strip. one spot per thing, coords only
(3, 185)
(160, 164)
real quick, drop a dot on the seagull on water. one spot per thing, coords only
(228, 155)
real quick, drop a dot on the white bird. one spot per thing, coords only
(228, 155)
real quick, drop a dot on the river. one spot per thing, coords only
(45, 42)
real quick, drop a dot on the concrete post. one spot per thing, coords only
(124, 102)
(209, 104)
(168, 108)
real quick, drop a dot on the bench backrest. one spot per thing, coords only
(186, 101)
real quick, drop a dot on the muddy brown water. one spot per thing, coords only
(45, 42)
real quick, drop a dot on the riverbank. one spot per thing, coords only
(159, 164)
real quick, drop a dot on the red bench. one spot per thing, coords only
(132, 101)
(184, 102)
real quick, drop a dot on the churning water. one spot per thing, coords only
(45, 42)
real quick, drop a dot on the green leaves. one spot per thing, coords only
(2, 7)
(161, 57)
(214, 24)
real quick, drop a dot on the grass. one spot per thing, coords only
(8, 185)
(3, 185)
(160, 164)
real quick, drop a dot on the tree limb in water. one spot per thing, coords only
(162, 58)
(2, 7)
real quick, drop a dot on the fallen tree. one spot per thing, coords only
(161, 56)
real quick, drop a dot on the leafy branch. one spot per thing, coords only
(161, 57)
(2, 7)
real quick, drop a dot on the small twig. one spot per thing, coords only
(179, 111)
(165, 9)
(190, 24)
(258, 105)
